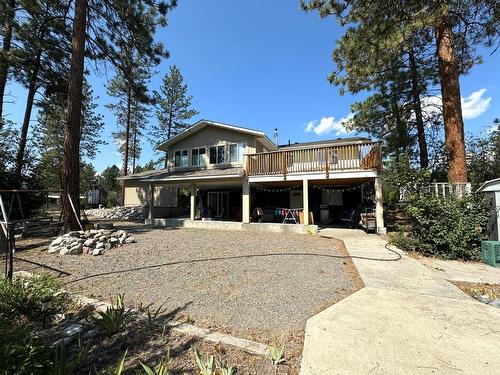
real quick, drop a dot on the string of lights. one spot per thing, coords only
(268, 190)
(332, 188)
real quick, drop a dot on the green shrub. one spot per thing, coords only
(22, 352)
(34, 297)
(450, 228)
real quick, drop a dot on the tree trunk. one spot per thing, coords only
(452, 106)
(169, 134)
(7, 41)
(27, 115)
(134, 151)
(417, 106)
(127, 136)
(71, 156)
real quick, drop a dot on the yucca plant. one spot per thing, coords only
(276, 354)
(206, 367)
(120, 366)
(225, 369)
(115, 317)
(152, 317)
(161, 368)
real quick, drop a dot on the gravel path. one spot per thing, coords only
(260, 286)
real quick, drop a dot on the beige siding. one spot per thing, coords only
(212, 136)
(136, 195)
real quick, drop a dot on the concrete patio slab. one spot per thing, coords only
(407, 320)
(454, 270)
(380, 331)
(380, 267)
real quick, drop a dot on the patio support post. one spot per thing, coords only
(246, 202)
(379, 208)
(305, 197)
(192, 201)
(151, 193)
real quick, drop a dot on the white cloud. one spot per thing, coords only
(329, 125)
(473, 105)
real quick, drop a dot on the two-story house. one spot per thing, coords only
(216, 171)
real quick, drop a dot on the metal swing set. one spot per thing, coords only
(23, 226)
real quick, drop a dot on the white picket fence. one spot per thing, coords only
(436, 189)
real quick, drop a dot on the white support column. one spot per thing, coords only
(151, 194)
(245, 207)
(379, 208)
(192, 200)
(305, 197)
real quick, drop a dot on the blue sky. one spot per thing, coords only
(263, 64)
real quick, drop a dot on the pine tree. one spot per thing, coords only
(102, 28)
(129, 86)
(41, 58)
(7, 19)
(49, 134)
(457, 28)
(173, 107)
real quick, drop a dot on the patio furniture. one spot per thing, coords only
(348, 216)
(289, 214)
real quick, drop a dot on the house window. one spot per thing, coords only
(236, 152)
(213, 155)
(181, 158)
(198, 157)
(242, 148)
(202, 155)
(221, 154)
(233, 153)
(195, 159)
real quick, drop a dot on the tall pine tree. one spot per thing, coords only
(456, 27)
(102, 28)
(174, 110)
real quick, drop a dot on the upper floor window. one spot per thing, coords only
(181, 158)
(221, 154)
(236, 152)
(198, 156)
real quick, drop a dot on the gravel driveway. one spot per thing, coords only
(261, 286)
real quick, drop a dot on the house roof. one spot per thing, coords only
(197, 126)
(491, 185)
(327, 142)
(164, 175)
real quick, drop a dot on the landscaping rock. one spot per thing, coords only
(77, 242)
(72, 330)
(118, 213)
(98, 251)
(90, 334)
(495, 303)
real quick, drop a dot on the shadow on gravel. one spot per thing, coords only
(216, 259)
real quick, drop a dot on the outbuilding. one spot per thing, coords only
(492, 191)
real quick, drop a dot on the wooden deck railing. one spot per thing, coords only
(364, 156)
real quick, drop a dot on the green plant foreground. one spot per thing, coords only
(451, 228)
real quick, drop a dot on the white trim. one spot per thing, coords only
(314, 176)
(490, 185)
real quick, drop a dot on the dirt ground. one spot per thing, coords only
(257, 286)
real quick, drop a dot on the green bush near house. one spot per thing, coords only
(451, 228)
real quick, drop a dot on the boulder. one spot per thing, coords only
(72, 330)
(97, 251)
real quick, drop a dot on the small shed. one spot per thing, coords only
(492, 191)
